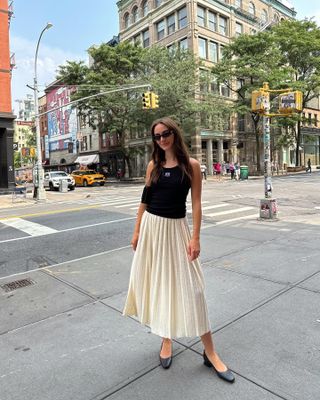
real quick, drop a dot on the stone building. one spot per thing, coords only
(204, 27)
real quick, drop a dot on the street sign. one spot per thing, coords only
(290, 102)
(259, 100)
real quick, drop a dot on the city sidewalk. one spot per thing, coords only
(62, 336)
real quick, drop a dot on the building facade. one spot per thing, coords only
(204, 27)
(6, 116)
(62, 125)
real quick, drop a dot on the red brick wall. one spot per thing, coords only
(5, 74)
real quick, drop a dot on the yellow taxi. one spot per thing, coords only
(88, 177)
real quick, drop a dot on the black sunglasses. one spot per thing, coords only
(164, 134)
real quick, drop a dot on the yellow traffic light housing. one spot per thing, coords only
(146, 100)
(290, 102)
(258, 101)
(154, 100)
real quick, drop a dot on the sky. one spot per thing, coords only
(77, 25)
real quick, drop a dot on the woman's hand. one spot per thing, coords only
(193, 249)
(134, 240)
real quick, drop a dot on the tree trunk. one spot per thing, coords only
(298, 143)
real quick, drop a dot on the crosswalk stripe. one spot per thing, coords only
(128, 204)
(29, 227)
(237, 219)
(215, 206)
(233, 211)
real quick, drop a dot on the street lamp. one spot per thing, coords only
(40, 192)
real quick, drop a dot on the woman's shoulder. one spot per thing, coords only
(194, 163)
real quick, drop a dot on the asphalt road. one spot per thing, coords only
(102, 219)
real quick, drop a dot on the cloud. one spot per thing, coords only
(49, 58)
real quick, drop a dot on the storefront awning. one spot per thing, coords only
(87, 160)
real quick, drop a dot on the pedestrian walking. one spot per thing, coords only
(237, 170)
(203, 168)
(308, 169)
(217, 169)
(166, 288)
(231, 169)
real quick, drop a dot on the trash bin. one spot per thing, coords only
(244, 172)
(63, 185)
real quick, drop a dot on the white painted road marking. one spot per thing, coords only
(29, 227)
(234, 210)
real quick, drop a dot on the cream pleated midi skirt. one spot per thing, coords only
(166, 290)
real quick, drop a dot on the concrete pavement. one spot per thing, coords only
(63, 336)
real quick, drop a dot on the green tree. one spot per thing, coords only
(248, 61)
(173, 75)
(299, 45)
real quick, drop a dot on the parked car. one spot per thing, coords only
(52, 180)
(88, 177)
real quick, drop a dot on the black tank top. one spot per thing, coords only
(167, 197)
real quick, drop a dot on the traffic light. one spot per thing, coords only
(154, 100)
(146, 100)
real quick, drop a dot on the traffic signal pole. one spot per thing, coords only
(290, 102)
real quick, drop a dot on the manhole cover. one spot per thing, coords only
(9, 287)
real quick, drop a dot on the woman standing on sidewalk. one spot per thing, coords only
(166, 289)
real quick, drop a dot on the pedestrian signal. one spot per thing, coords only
(259, 101)
(290, 102)
(154, 100)
(146, 100)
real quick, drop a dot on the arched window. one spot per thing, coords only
(264, 16)
(135, 14)
(276, 18)
(238, 3)
(252, 8)
(145, 8)
(126, 19)
(157, 3)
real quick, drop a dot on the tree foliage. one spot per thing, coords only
(172, 74)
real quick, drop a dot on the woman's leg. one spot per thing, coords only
(211, 353)
(166, 349)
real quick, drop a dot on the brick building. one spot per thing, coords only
(6, 115)
(204, 27)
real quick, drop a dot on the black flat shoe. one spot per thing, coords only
(225, 375)
(165, 362)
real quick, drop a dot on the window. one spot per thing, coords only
(315, 120)
(182, 17)
(309, 119)
(160, 30)
(84, 144)
(238, 3)
(213, 52)
(201, 16)
(239, 29)
(224, 90)
(135, 15)
(223, 26)
(145, 8)
(146, 38)
(214, 86)
(171, 22)
(136, 39)
(212, 20)
(252, 9)
(241, 123)
(126, 20)
(157, 3)
(183, 44)
(264, 16)
(202, 43)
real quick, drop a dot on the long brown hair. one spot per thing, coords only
(179, 149)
